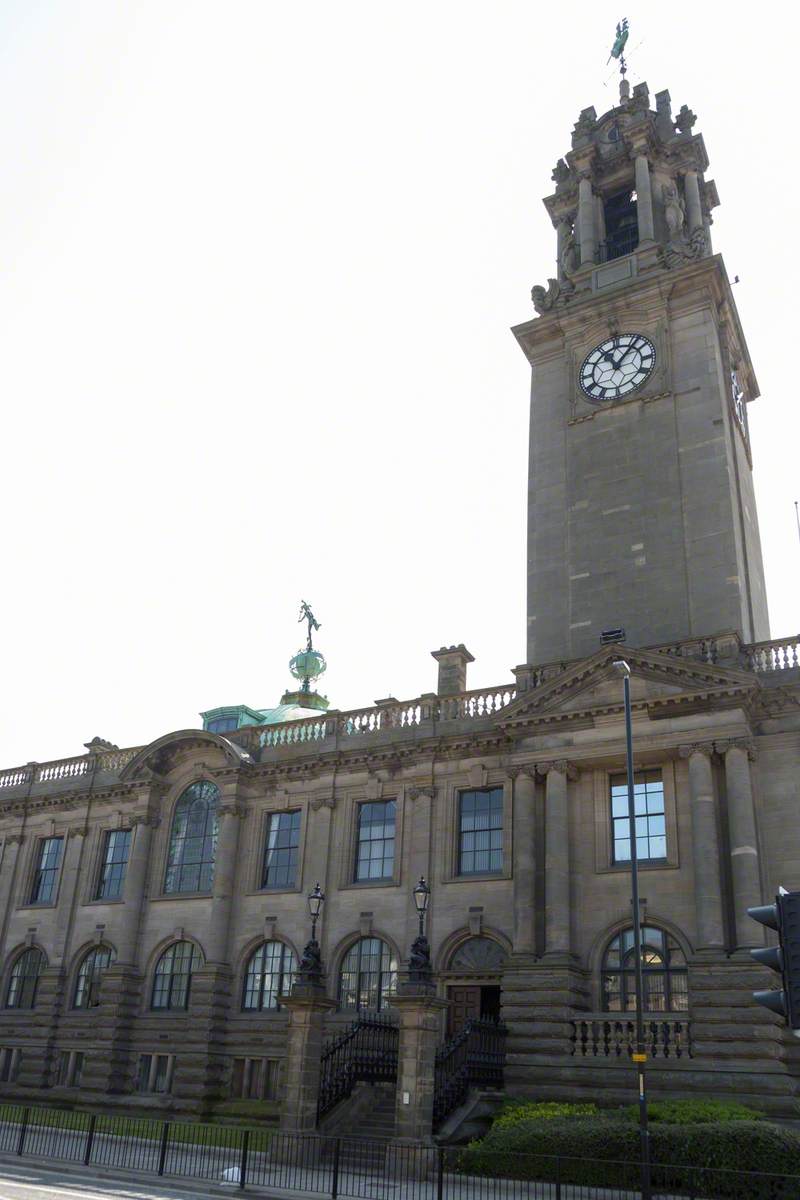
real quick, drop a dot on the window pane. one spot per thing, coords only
(368, 976)
(87, 987)
(376, 834)
(24, 979)
(114, 862)
(45, 876)
(173, 976)
(665, 985)
(282, 850)
(193, 840)
(650, 818)
(480, 845)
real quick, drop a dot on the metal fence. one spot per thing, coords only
(355, 1169)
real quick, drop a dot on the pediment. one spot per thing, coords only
(594, 685)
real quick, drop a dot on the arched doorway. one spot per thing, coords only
(472, 981)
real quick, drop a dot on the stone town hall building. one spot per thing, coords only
(153, 899)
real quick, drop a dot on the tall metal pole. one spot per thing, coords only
(640, 1057)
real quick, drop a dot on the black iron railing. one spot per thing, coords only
(618, 244)
(366, 1052)
(473, 1057)
(337, 1167)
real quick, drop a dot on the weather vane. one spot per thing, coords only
(618, 49)
(307, 615)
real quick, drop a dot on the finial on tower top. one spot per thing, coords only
(307, 615)
(618, 52)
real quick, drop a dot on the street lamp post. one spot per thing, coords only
(640, 1056)
(310, 967)
(419, 962)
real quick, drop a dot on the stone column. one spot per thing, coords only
(307, 1006)
(120, 991)
(705, 848)
(70, 871)
(586, 232)
(694, 211)
(562, 231)
(8, 878)
(742, 831)
(420, 1012)
(599, 220)
(644, 199)
(230, 815)
(127, 932)
(524, 861)
(556, 851)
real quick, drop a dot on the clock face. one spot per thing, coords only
(617, 367)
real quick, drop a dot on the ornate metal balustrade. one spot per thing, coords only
(473, 1057)
(366, 1052)
(606, 1036)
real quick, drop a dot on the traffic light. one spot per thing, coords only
(784, 917)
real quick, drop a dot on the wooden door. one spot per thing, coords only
(465, 1002)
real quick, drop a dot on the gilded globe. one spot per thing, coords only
(308, 664)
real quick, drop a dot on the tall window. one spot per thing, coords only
(87, 985)
(663, 968)
(648, 800)
(368, 976)
(25, 979)
(193, 840)
(45, 876)
(173, 975)
(116, 849)
(480, 846)
(270, 972)
(282, 850)
(375, 851)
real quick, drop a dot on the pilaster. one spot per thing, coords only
(745, 873)
(420, 1012)
(308, 1005)
(705, 847)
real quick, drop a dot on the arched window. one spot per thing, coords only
(87, 985)
(173, 975)
(270, 972)
(25, 979)
(368, 976)
(664, 973)
(193, 840)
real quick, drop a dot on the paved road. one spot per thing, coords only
(38, 1183)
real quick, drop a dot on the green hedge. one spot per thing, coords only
(604, 1152)
(517, 1111)
(693, 1112)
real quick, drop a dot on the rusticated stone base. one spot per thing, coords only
(738, 1049)
(110, 1063)
(200, 1079)
(540, 999)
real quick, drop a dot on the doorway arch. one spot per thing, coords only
(472, 980)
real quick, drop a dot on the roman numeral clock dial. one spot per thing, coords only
(617, 367)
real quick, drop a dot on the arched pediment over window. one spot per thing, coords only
(478, 954)
(160, 756)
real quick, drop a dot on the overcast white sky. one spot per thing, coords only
(258, 265)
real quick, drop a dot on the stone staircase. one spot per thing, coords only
(367, 1117)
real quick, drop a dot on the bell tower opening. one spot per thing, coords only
(621, 225)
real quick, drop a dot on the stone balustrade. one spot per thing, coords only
(606, 1035)
(333, 727)
(780, 655)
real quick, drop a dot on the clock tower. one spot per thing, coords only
(641, 511)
